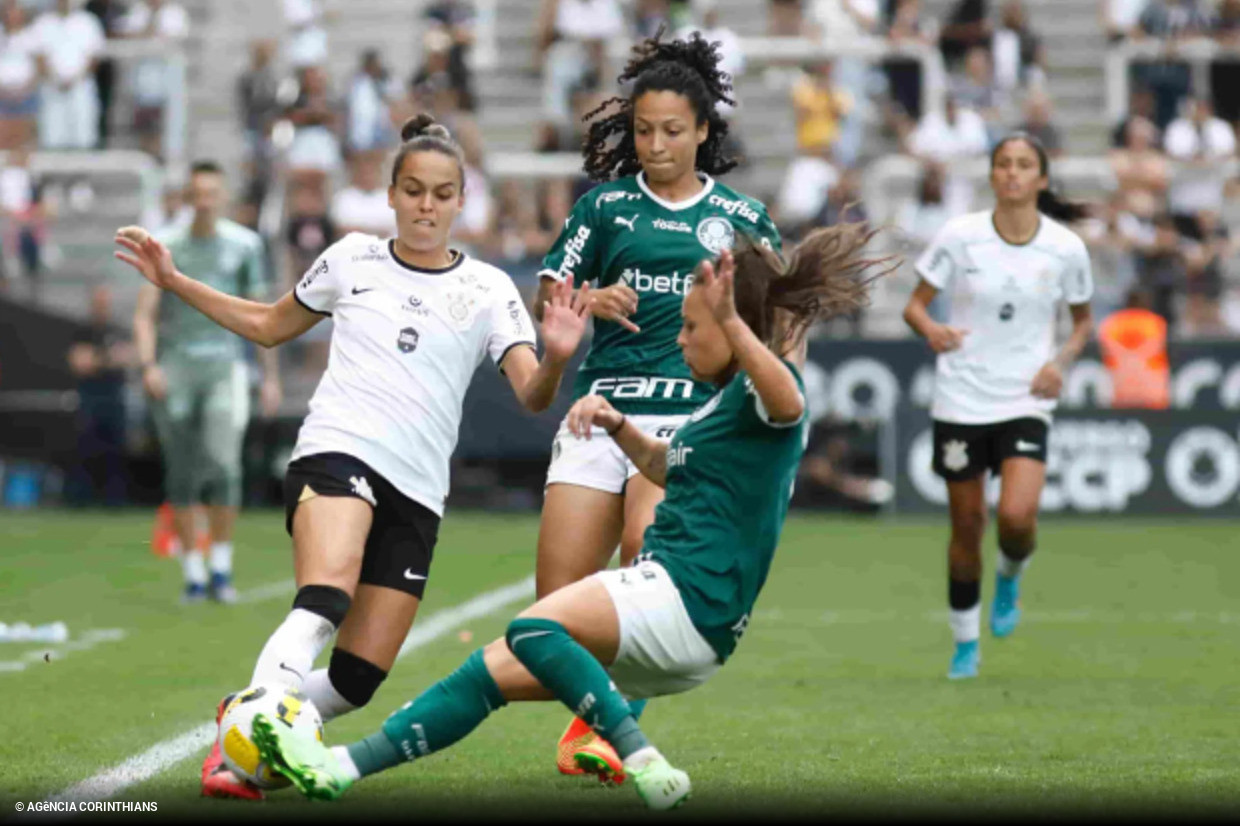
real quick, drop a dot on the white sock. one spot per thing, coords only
(221, 558)
(318, 687)
(641, 758)
(346, 762)
(1010, 568)
(967, 624)
(194, 566)
(289, 654)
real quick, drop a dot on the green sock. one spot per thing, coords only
(441, 715)
(576, 679)
(637, 707)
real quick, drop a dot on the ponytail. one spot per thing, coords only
(1049, 202)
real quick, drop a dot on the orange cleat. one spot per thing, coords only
(163, 533)
(581, 751)
(217, 779)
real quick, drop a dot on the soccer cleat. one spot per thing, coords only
(661, 786)
(194, 593)
(598, 758)
(302, 758)
(576, 735)
(217, 779)
(163, 533)
(221, 589)
(965, 660)
(1005, 612)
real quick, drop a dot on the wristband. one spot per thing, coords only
(614, 431)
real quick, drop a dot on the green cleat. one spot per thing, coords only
(303, 759)
(661, 786)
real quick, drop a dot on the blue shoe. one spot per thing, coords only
(221, 589)
(965, 660)
(194, 592)
(1005, 612)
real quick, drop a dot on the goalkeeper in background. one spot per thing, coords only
(195, 374)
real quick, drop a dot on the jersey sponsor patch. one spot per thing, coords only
(671, 226)
(641, 282)
(407, 340)
(643, 387)
(612, 197)
(737, 208)
(319, 269)
(716, 234)
(573, 249)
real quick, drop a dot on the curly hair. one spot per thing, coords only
(687, 67)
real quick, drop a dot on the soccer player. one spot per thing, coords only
(667, 623)
(195, 374)
(366, 486)
(998, 375)
(639, 235)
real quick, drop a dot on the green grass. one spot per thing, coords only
(1120, 692)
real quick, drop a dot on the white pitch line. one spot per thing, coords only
(87, 641)
(269, 591)
(167, 753)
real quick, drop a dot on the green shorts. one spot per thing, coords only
(201, 424)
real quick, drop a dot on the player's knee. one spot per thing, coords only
(354, 678)
(1018, 521)
(326, 601)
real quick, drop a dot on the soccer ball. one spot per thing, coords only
(283, 706)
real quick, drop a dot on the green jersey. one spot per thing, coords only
(622, 233)
(232, 262)
(730, 472)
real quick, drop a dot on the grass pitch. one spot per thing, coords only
(1119, 694)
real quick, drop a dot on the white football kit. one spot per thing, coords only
(1005, 296)
(405, 345)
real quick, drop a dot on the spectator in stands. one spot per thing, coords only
(649, 16)
(975, 89)
(953, 134)
(369, 124)
(1037, 122)
(1016, 51)
(1200, 143)
(841, 20)
(71, 42)
(362, 206)
(967, 26)
(309, 232)
(921, 218)
(305, 42)
(111, 14)
(1139, 165)
(1204, 260)
(473, 224)
(1120, 18)
(572, 43)
(19, 77)
(1225, 69)
(785, 18)
(24, 213)
(432, 88)
(456, 18)
(258, 104)
(1112, 238)
(820, 107)
(904, 73)
(731, 60)
(167, 24)
(1169, 78)
(1141, 104)
(1161, 268)
(315, 151)
(98, 359)
(843, 203)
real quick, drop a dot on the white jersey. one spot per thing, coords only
(1006, 297)
(405, 345)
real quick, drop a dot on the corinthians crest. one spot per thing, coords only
(955, 455)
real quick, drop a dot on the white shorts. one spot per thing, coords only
(660, 650)
(599, 463)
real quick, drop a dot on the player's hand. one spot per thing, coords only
(1048, 382)
(717, 289)
(269, 397)
(590, 411)
(944, 339)
(155, 382)
(149, 257)
(615, 303)
(564, 319)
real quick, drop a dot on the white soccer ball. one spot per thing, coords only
(283, 706)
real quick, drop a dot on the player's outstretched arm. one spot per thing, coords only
(264, 324)
(772, 380)
(563, 324)
(648, 454)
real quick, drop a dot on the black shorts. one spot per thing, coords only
(402, 536)
(964, 451)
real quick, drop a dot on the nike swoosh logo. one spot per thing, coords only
(409, 574)
(1026, 447)
(526, 635)
(356, 291)
(291, 671)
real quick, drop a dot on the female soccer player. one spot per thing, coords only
(998, 375)
(366, 487)
(667, 623)
(639, 236)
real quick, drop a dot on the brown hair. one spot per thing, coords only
(825, 276)
(421, 133)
